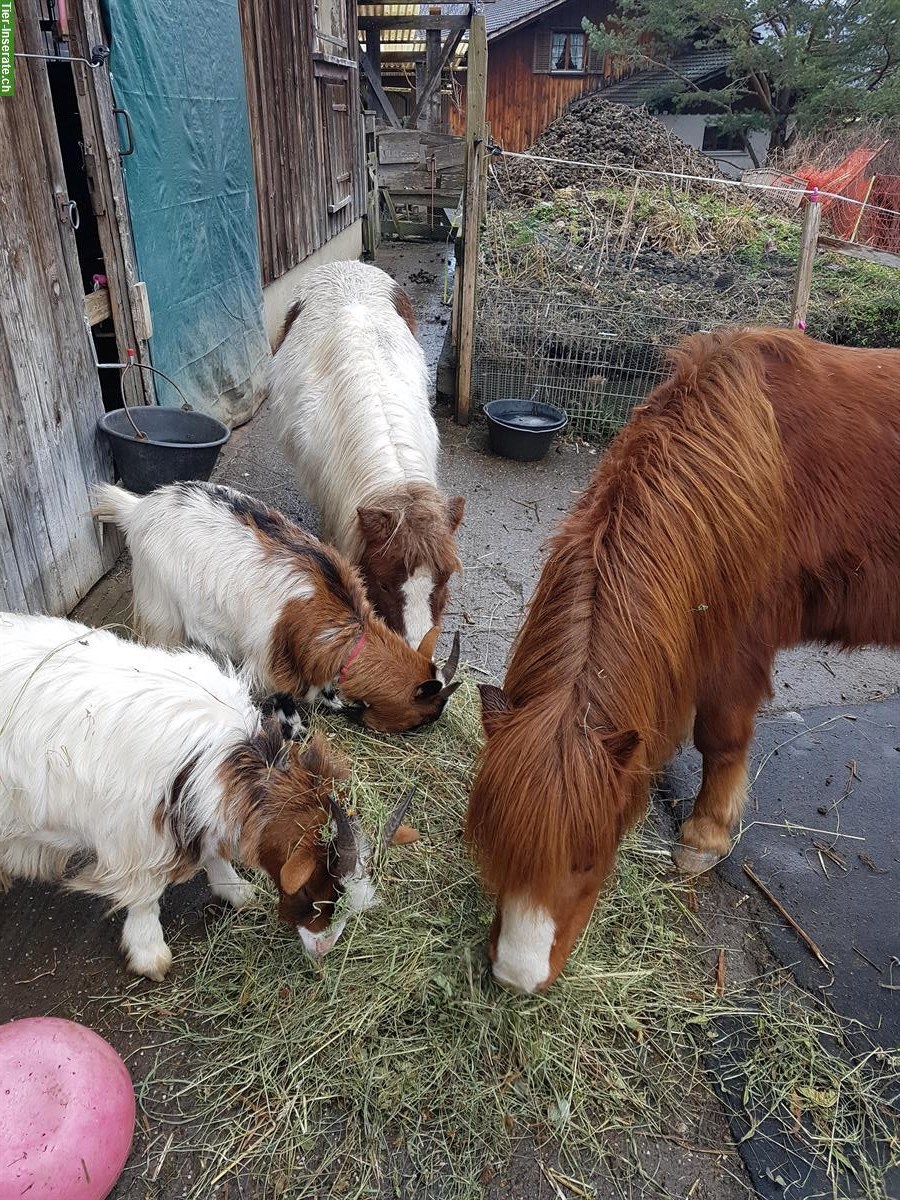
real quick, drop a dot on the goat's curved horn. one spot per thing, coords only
(453, 661)
(447, 691)
(395, 820)
(346, 841)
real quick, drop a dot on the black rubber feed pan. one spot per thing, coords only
(523, 429)
(179, 445)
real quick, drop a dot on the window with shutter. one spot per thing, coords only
(338, 144)
(303, 103)
(595, 62)
(542, 42)
(565, 52)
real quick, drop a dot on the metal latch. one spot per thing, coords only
(66, 210)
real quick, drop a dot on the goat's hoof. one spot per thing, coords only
(330, 700)
(238, 895)
(290, 717)
(691, 861)
(153, 963)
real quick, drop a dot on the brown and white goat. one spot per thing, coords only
(215, 568)
(150, 765)
(349, 387)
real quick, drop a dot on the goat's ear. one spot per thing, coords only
(622, 746)
(428, 642)
(495, 707)
(323, 761)
(375, 524)
(405, 835)
(428, 689)
(297, 870)
(455, 509)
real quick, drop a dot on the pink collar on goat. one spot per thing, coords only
(354, 650)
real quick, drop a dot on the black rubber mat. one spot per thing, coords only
(822, 832)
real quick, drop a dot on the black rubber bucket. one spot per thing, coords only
(178, 445)
(523, 429)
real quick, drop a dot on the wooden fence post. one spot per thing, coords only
(473, 210)
(862, 209)
(809, 239)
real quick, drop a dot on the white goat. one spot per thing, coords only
(349, 387)
(124, 768)
(216, 568)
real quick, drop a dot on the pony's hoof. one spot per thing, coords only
(694, 862)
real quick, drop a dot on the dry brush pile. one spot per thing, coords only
(656, 256)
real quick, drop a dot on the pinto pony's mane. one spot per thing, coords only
(409, 524)
(655, 569)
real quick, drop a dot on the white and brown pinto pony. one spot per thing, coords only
(349, 387)
(752, 503)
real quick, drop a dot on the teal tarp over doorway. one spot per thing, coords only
(177, 68)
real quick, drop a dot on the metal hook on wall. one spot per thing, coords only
(99, 56)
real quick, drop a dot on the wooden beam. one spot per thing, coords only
(433, 79)
(855, 250)
(97, 307)
(378, 91)
(430, 89)
(803, 279)
(437, 199)
(107, 186)
(476, 175)
(373, 49)
(426, 21)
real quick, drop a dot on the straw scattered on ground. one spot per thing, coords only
(397, 1066)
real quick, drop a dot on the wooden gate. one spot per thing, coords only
(50, 549)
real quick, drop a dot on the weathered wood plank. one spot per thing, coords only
(803, 279)
(855, 250)
(97, 307)
(49, 391)
(476, 166)
(436, 199)
(378, 91)
(423, 21)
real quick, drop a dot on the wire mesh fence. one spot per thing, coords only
(582, 289)
(588, 274)
(590, 361)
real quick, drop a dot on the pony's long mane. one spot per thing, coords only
(655, 569)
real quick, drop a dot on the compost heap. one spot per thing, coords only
(698, 252)
(594, 131)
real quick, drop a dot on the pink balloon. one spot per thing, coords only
(66, 1112)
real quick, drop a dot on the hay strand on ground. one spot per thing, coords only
(397, 1066)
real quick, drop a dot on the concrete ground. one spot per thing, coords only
(71, 954)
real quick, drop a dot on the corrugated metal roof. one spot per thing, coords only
(638, 88)
(402, 44)
(504, 15)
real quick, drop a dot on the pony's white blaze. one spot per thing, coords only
(417, 591)
(526, 938)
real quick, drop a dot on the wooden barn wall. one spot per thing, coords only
(305, 125)
(51, 549)
(520, 102)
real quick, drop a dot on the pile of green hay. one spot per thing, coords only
(396, 1066)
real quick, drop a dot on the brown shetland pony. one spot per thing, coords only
(752, 503)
